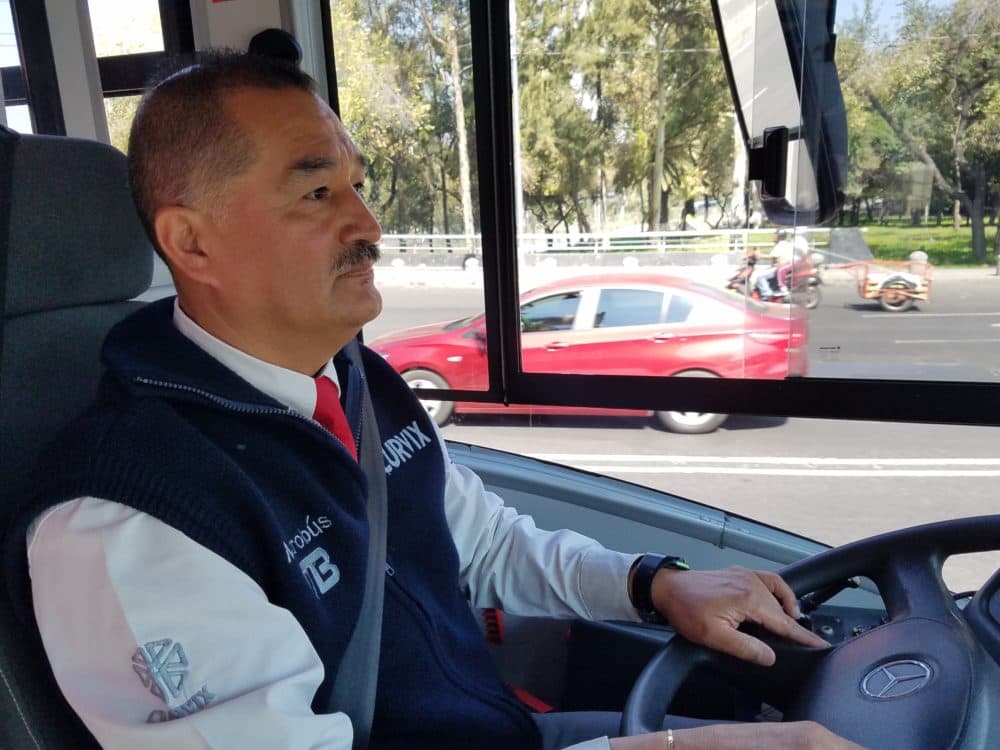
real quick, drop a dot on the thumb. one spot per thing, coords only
(742, 646)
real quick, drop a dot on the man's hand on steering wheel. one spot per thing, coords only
(707, 607)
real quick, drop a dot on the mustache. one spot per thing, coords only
(359, 252)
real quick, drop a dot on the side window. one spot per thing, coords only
(17, 115)
(679, 308)
(123, 31)
(553, 313)
(125, 28)
(628, 307)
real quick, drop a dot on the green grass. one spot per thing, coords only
(943, 244)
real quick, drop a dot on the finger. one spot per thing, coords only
(781, 624)
(782, 592)
(741, 645)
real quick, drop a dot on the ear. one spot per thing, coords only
(179, 231)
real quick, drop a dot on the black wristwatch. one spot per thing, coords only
(641, 591)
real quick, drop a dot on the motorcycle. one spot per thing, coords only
(803, 289)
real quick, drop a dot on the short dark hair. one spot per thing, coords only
(183, 143)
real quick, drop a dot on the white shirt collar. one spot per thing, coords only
(293, 389)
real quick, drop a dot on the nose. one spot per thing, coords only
(362, 226)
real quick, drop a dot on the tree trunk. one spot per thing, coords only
(464, 179)
(996, 247)
(603, 205)
(956, 213)
(444, 200)
(581, 215)
(977, 208)
(661, 102)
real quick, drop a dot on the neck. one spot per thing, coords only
(300, 352)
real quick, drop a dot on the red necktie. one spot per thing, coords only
(330, 413)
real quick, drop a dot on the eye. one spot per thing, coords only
(318, 194)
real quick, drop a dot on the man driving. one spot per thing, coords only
(198, 549)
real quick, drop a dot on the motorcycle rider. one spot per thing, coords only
(746, 271)
(789, 248)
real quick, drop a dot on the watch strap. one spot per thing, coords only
(641, 592)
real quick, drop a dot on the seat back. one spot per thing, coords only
(75, 255)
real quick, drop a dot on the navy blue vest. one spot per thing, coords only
(177, 435)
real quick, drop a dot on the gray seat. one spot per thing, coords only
(75, 255)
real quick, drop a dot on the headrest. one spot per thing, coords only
(75, 237)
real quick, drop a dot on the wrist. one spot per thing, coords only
(640, 582)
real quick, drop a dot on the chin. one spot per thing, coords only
(369, 307)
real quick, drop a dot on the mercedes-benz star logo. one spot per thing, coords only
(895, 679)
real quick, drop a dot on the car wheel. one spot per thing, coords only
(690, 422)
(896, 301)
(439, 411)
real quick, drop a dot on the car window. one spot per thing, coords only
(628, 307)
(679, 308)
(553, 313)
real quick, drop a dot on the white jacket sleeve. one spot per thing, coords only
(507, 562)
(141, 625)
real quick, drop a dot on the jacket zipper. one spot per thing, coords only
(241, 407)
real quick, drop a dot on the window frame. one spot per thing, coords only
(973, 403)
(35, 83)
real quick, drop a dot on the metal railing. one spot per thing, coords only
(712, 241)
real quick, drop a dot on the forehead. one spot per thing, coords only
(289, 126)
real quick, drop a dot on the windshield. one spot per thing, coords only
(620, 170)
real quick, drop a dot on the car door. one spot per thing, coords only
(625, 334)
(549, 330)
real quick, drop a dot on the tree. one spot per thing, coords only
(382, 105)
(622, 95)
(442, 28)
(932, 87)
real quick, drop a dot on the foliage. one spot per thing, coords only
(620, 102)
(943, 245)
(927, 93)
(393, 104)
(590, 75)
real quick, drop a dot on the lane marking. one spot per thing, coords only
(787, 466)
(946, 341)
(931, 315)
(768, 460)
(866, 473)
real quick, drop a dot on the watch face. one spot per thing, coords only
(678, 563)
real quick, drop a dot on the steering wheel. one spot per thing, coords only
(928, 678)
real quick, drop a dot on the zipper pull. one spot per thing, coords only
(389, 570)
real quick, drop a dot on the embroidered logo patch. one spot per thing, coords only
(163, 668)
(321, 574)
(310, 531)
(400, 448)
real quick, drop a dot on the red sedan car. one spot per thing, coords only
(611, 324)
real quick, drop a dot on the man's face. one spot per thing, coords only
(289, 283)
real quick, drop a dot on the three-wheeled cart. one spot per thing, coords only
(895, 284)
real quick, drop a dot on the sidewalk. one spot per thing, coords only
(713, 274)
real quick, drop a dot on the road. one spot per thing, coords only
(831, 480)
